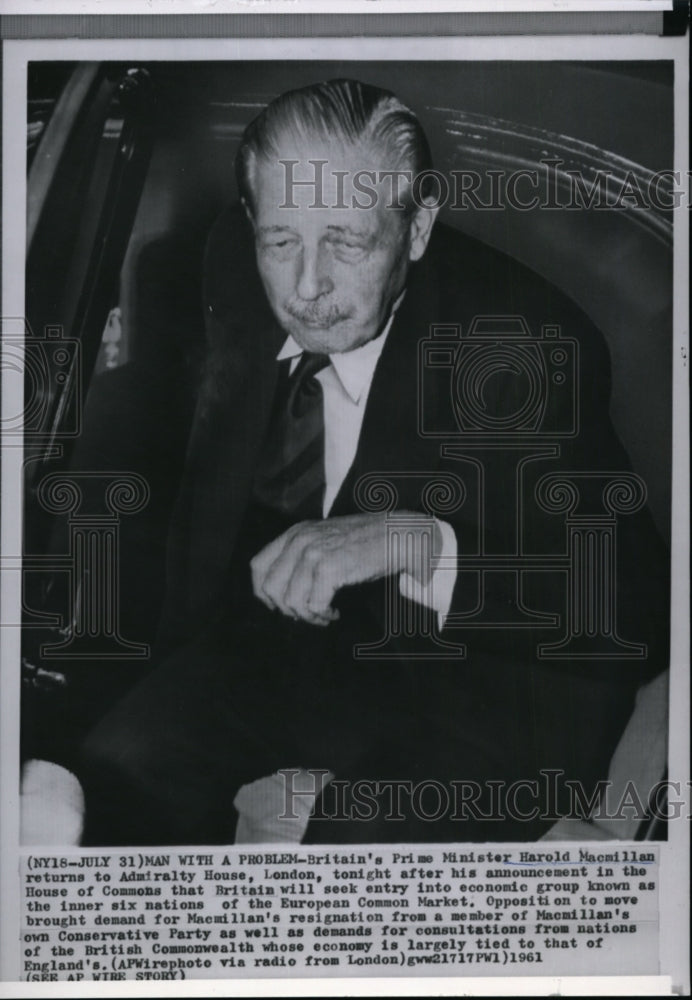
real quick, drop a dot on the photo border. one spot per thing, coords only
(674, 854)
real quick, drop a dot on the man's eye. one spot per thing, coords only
(348, 250)
(279, 247)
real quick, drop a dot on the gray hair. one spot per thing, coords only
(335, 110)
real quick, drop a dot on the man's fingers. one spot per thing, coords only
(258, 573)
(279, 575)
(299, 596)
(300, 571)
(273, 586)
(301, 581)
(262, 564)
(298, 584)
(324, 584)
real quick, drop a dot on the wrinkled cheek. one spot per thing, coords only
(278, 285)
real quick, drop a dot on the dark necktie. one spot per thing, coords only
(290, 476)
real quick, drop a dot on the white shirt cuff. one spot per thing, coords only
(437, 594)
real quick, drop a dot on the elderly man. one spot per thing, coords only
(282, 578)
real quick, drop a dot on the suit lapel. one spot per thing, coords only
(389, 440)
(223, 454)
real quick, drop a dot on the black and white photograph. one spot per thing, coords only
(342, 408)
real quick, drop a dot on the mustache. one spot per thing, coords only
(315, 313)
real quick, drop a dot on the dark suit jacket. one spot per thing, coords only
(457, 280)
(512, 711)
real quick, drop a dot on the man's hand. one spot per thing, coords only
(300, 571)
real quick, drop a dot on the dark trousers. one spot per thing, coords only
(250, 696)
(260, 693)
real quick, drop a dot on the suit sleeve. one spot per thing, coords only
(503, 483)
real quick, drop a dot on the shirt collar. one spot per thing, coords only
(355, 369)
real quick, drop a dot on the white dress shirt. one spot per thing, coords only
(345, 388)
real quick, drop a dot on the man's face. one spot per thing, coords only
(331, 274)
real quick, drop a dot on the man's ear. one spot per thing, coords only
(248, 211)
(420, 228)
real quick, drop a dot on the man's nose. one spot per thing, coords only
(313, 276)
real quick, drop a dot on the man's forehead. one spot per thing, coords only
(355, 229)
(349, 191)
